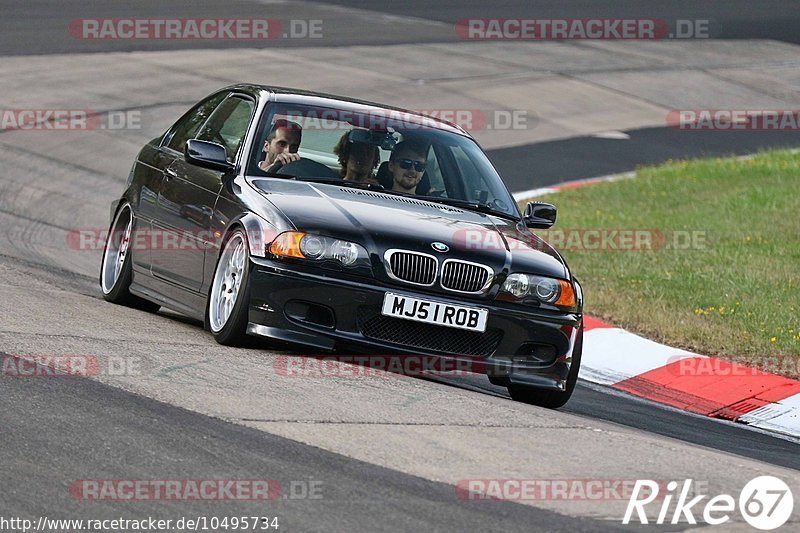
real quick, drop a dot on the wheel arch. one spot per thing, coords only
(258, 233)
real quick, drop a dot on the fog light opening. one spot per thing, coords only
(310, 313)
(540, 354)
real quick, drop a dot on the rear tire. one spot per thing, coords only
(551, 399)
(116, 270)
(229, 298)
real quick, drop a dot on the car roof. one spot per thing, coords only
(311, 98)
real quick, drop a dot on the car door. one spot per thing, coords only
(188, 195)
(156, 158)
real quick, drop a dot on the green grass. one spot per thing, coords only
(736, 294)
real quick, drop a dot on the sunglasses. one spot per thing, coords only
(405, 164)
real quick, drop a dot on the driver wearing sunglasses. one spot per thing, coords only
(407, 165)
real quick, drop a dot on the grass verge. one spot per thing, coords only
(721, 274)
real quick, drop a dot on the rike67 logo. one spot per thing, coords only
(765, 503)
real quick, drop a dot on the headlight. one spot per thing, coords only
(547, 290)
(345, 252)
(301, 245)
(312, 247)
(517, 285)
(527, 287)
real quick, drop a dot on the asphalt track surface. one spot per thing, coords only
(152, 440)
(58, 430)
(39, 26)
(551, 162)
(729, 19)
(35, 27)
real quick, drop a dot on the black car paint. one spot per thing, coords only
(268, 206)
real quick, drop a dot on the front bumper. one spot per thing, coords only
(332, 311)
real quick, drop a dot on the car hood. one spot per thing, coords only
(380, 222)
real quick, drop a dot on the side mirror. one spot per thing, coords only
(539, 215)
(207, 155)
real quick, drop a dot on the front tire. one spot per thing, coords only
(229, 298)
(552, 399)
(116, 270)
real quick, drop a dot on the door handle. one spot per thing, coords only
(169, 174)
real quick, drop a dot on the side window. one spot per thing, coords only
(187, 127)
(228, 124)
(470, 175)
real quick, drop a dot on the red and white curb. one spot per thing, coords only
(688, 381)
(705, 385)
(541, 191)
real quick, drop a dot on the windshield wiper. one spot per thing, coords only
(335, 181)
(316, 179)
(472, 206)
(344, 183)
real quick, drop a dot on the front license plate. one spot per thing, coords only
(439, 313)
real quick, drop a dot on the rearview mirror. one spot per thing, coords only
(540, 215)
(386, 140)
(207, 155)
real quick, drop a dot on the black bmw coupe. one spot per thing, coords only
(345, 225)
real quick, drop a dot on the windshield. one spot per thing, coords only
(401, 153)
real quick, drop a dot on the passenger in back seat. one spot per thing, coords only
(358, 160)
